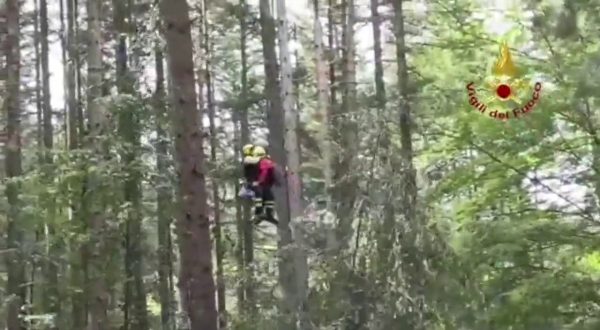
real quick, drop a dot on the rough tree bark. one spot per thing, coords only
(346, 134)
(71, 78)
(346, 285)
(40, 144)
(15, 284)
(219, 248)
(46, 99)
(293, 269)
(411, 231)
(248, 239)
(378, 54)
(239, 219)
(196, 284)
(38, 83)
(323, 102)
(134, 308)
(78, 304)
(275, 123)
(274, 112)
(164, 198)
(386, 229)
(93, 197)
(332, 50)
(51, 298)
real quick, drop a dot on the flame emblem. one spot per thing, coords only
(505, 66)
(505, 82)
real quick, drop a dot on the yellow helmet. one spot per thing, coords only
(248, 149)
(259, 151)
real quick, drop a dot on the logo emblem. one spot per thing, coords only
(505, 89)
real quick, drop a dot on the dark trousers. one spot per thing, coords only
(264, 203)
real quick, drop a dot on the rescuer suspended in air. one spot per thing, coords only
(260, 176)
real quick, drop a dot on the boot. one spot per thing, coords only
(258, 215)
(270, 217)
(257, 219)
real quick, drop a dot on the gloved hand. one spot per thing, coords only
(246, 193)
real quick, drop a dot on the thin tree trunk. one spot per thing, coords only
(15, 284)
(274, 112)
(71, 76)
(196, 284)
(51, 299)
(78, 304)
(332, 48)
(345, 178)
(385, 230)
(275, 123)
(63, 53)
(219, 248)
(250, 300)
(378, 54)
(412, 233)
(136, 316)
(385, 238)
(293, 268)
(297, 79)
(98, 297)
(38, 82)
(164, 198)
(40, 142)
(78, 66)
(239, 220)
(294, 191)
(220, 252)
(59, 247)
(345, 190)
(323, 102)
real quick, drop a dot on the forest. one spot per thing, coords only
(404, 203)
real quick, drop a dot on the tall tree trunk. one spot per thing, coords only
(136, 316)
(293, 268)
(323, 102)
(71, 78)
(164, 199)
(15, 284)
(38, 82)
(78, 304)
(412, 230)
(332, 49)
(93, 197)
(250, 301)
(385, 238)
(196, 284)
(219, 248)
(40, 143)
(63, 52)
(346, 130)
(220, 252)
(51, 299)
(345, 284)
(274, 112)
(378, 54)
(78, 66)
(298, 79)
(239, 220)
(59, 246)
(275, 122)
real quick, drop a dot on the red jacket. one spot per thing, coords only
(266, 172)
